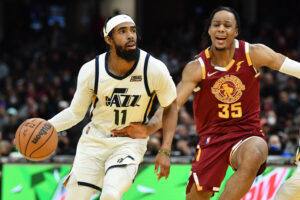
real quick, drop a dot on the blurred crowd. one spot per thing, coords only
(38, 71)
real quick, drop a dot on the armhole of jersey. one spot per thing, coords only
(95, 99)
(249, 60)
(145, 75)
(203, 70)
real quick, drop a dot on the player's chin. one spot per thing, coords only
(220, 48)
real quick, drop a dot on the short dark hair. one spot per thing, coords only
(220, 8)
(229, 9)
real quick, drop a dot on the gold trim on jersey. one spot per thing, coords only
(230, 65)
(207, 54)
(151, 101)
(198, 155)
(104, 101)
(203, 72)
(248, 59)
(298, 156)
(94, 99)
(199, 187)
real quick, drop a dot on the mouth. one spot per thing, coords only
(220, 40)
(131, 45)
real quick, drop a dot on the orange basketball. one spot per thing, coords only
(36, 139)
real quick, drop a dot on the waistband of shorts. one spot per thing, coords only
(102, 132)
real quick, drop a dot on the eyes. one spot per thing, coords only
(125, 30)
(226, 25)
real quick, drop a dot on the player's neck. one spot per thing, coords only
(117, 65)
(221, 57)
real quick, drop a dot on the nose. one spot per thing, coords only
(221, 28)
(130, 35)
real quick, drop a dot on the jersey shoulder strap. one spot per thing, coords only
(95, 99)
(96, 74)
(145, 75)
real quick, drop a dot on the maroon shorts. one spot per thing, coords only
(213, 155)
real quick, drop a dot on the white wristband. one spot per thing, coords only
(290, 67)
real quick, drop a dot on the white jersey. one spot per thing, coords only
(120, 100)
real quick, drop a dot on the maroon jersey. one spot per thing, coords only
(228, 99)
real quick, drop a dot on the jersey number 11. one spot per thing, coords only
(123, 117)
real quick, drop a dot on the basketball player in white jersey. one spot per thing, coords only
(121, 85)
(290, 189)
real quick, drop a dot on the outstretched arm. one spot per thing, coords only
(262, 55)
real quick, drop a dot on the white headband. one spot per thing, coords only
(115, 21)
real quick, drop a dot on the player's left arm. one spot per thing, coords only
(262, 55)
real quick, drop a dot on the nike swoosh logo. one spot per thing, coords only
(210, 74)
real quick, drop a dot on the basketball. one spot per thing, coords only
(36, 139)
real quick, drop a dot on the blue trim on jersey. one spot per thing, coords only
(95, 84)
(145, 75)
(125, 75)
(89, 185)
(114, 166)
(96, 74)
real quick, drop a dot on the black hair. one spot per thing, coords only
(220, 8)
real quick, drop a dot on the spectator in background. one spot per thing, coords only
(63, 146)
(292, 142)
(154, 144)
(284, 109)
(12, 125)
(4, 119)
(5, 148)
(181, 139)
(4, 72)
(274, 145)
(268, 86)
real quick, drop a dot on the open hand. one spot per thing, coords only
(162, 166)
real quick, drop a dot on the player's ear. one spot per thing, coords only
(208, 31)
(108, 40)
(236, 33)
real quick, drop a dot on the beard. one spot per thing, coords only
(128, 55)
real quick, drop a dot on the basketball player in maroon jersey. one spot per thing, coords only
(225, 81)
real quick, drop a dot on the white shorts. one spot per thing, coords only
(97, 153)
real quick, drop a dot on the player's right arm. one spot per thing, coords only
(80, 102)
(191, 77)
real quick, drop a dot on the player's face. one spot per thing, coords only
(222, 30)
(124, 39)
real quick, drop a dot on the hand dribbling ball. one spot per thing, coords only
(36, 139)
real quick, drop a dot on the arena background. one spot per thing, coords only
(44, 43)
